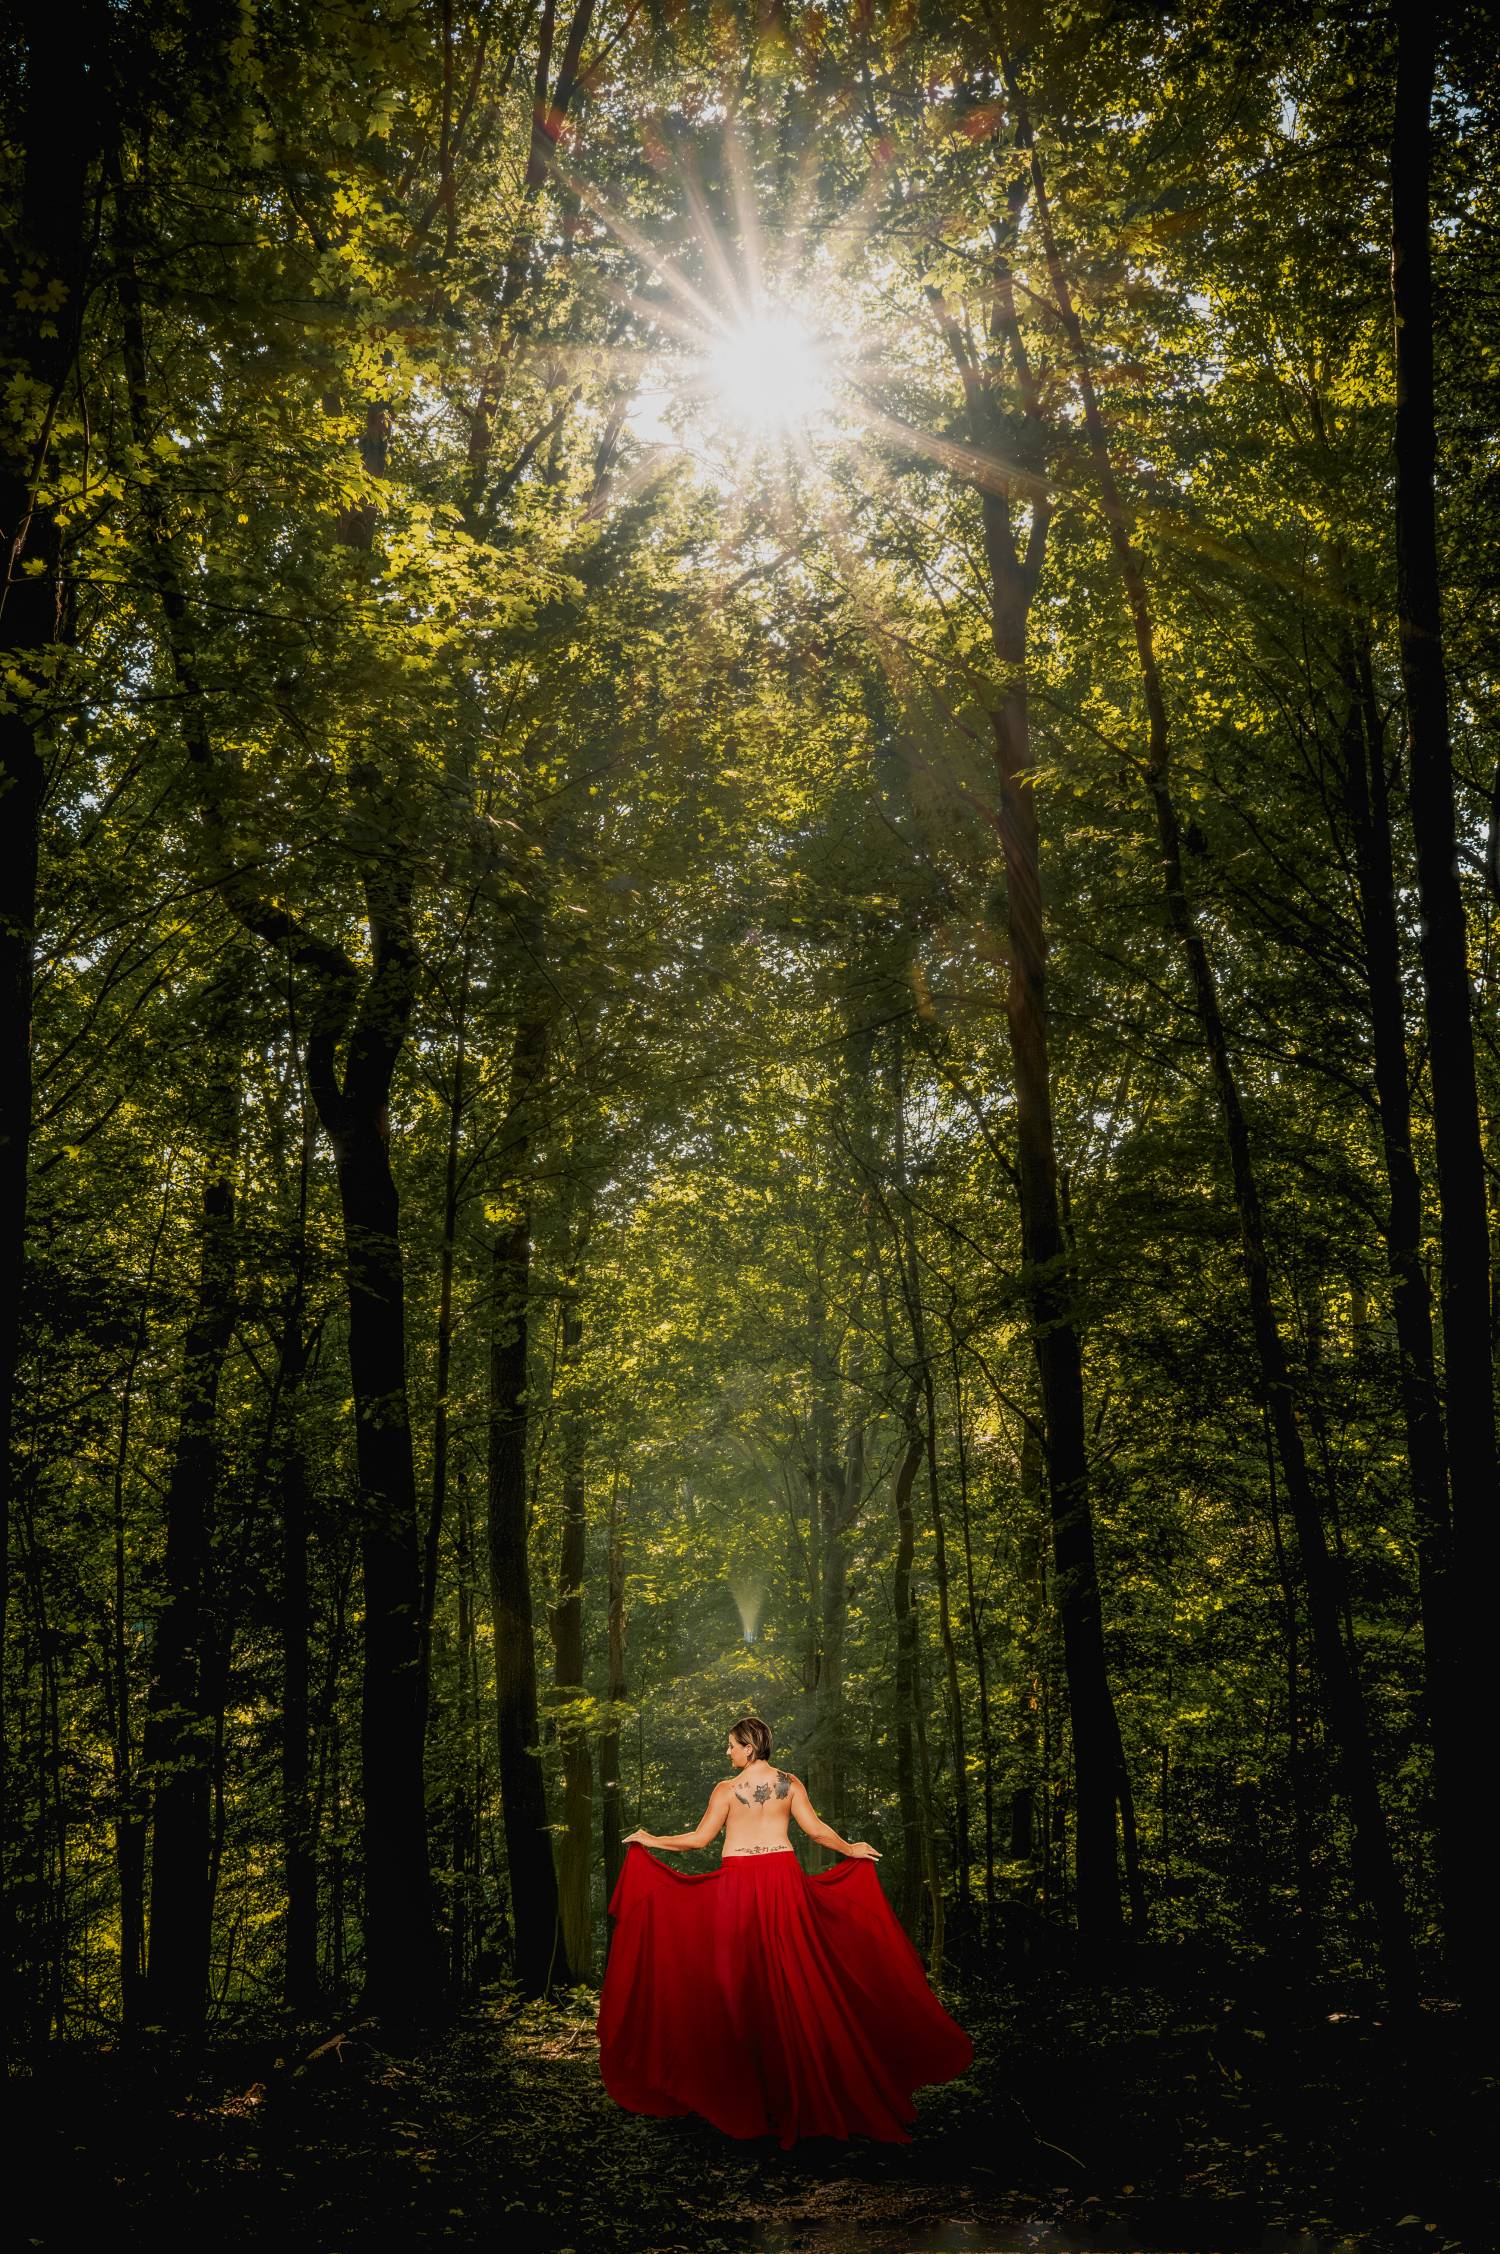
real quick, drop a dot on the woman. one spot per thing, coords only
(770, 2002)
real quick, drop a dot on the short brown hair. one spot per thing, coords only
(752, 1731)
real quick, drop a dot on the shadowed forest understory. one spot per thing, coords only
(749, 960)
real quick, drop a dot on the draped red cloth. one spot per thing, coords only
(770, 2001)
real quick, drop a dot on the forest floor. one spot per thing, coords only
(1140, 2119)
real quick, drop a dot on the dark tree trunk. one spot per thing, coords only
(540, 1957)
(610, 1812)
(130, 1815)
(465, 1804)
(575, 1845)
(179, 1737)
(1346, 1709)
(957, 1729)
(916, 1318)
(1302, 1854)
(1014, 574)
(1050, 1300)
(913, 1846)
(60, 48)
(841, 1495)
(300, 1970)
(432, 1548)
(1460, 1855)
(981, 1657)
(402, 1971)
(1468, 1355)
(287, 1450)
(403, 1963)
(338, 1976)
(301, 1967)
(822, 1510)
(1032, 1717)
(841, 1473)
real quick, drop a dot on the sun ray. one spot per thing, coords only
(740, 290)
(746, 211)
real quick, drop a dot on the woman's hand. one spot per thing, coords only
(863, 1852)
(638, 1839)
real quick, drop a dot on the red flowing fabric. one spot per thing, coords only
(770, 2001)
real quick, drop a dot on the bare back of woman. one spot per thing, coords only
(760, 1809)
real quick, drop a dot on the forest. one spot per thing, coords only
(750, 908)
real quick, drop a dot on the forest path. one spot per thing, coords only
(1095, 2121)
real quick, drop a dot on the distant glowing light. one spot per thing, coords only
(768, 374)
(748, 1597)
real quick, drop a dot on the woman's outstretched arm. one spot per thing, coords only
(824, 1834)
(712, 1824)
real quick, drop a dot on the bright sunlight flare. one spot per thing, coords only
(768, 373)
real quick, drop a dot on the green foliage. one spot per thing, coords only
(700, 767)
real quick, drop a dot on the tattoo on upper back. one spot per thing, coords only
(761, 1793)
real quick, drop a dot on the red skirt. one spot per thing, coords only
(771, 2002)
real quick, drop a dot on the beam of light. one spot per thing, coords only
(749, 1596)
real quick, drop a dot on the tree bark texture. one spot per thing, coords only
(58, 125)
(1049, 1283)
(575, 1842)
(300, 1972)
(1001, 372)
(611, 1814)
(913, 1852)
(179, 1736)
(1468, 1355)
(1460, 1856)
(541, 1959)
(917, 1320)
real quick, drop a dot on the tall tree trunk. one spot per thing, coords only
(179, 1737)
(403, 1974)
(610, 1812)
(841, 1471)
(338, 1977)
(841, 1497)
(300, 1973)
(1376, 1867)
(908, 1802)
(575, 1844)
(433, 1546)
(298, 1832)
(403, 1962)
(60, 49)
(540, 1957)
(465, 1800)
(1014, 575)
(919, 1864)
(1468, 1354)
(1049, 1284)
(1460, 1856)
(916, 1317)
(131, 1814)
(981, 1658)
(455, 1812)
(1302, 1855)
